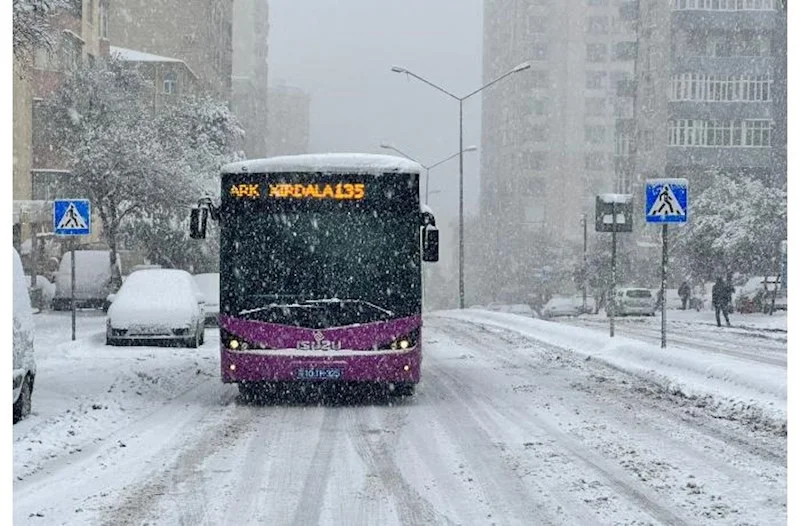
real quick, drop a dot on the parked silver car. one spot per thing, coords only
(633, 301)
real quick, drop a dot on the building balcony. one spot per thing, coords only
(720, 110)
(710, 21)
(721, 158)
(723, 65)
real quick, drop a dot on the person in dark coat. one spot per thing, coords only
(721, 299)
(684, 292)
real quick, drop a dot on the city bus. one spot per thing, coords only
(320, 270)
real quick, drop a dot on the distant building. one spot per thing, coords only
(711, 89)
(559, 133)
(77, 32)
(171, 77)
(198, 33)
(289, 121)
(249, 81)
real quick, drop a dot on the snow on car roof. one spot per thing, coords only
(351, 163)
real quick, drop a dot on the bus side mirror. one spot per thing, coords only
(430, 244)
(197, 223)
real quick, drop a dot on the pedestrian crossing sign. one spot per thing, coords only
(666, 200)
(72, 217)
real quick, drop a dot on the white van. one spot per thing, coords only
(24, 364)
(92, 279)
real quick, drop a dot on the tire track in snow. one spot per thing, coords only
(180, 486)
(515, 415)
(309, 507)
(676, 411)
(376, 444)
(615, 478)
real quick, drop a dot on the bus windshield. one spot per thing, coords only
(320, 266)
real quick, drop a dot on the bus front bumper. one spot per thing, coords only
(346, 366)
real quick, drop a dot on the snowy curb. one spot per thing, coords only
(740, 389)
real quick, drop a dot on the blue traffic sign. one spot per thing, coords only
(72, 217)
(666, 200)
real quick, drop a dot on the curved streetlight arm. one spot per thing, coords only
(398, 69)
(521, 67)
(467, 149)
(390, 147)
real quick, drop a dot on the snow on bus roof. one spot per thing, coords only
(326, 163)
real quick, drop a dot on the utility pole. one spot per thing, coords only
(585, 262)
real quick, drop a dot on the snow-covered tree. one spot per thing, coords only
(735, 225)
(31, 24)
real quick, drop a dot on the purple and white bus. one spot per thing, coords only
(321, 270)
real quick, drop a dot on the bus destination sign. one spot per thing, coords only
(340, 191)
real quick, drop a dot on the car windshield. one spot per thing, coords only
(639, 293)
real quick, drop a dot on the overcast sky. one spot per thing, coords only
(341, 53)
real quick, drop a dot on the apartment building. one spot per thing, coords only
(249, 82)
(199, 34)
(711, 89)
(558, 134)
(289, 121)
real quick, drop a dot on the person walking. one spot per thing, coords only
(721, 298)
(684, 292)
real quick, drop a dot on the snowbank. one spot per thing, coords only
(729, 380)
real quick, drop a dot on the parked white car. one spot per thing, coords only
(209, 286)
(157, 305)
(92, 279)
(561, 306)
(639, 301)
(24, 363)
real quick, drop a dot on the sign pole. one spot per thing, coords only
(664, 259)
(612, 301)
(72, 287)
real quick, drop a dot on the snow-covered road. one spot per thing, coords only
(505, 429)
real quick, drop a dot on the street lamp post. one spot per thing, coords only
(517, 69)
(427, 168)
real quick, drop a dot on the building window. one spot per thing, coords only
(539, 79)
(537, 24)
(597, 25)
(595, 79)
(720, 133)
(536, 161)
(539, 107)
(595, 134)
(623, 145)
(648, 141)
(757, 133)
(70, 53)
(723, 5)
(594, 161)
(595, 106)
(625, 50)
(596, 52)
(727, 88)
(170, 83)
(539, 133)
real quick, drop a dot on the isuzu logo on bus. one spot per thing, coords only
(319, 344)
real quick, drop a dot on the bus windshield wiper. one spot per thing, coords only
(347, 300)
(278, 306)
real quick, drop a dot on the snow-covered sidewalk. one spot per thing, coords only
(758, 389)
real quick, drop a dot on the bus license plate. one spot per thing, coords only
(328, 373)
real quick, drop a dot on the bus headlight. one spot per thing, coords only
(401, 343)
(233, 344)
